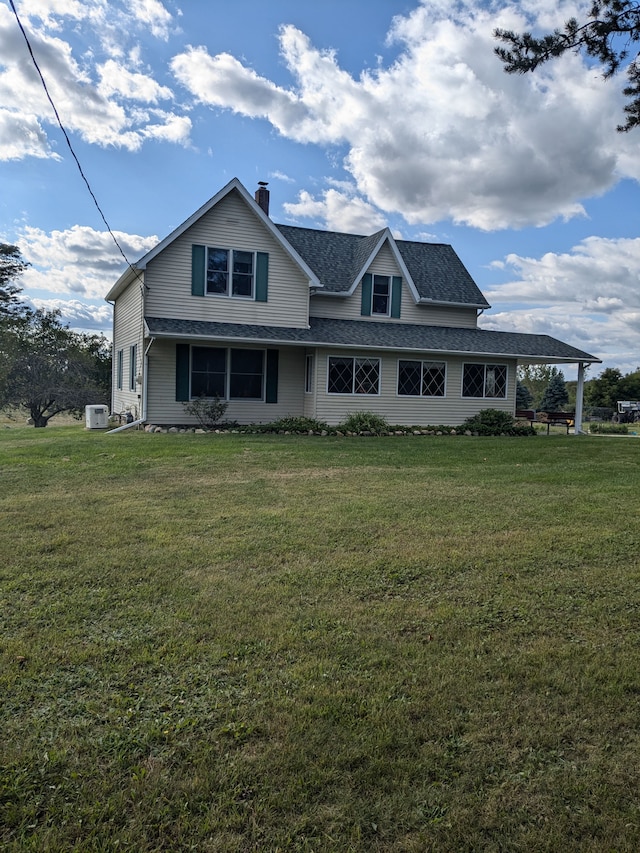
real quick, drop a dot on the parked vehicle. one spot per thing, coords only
(628, 412)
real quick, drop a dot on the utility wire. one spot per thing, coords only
(66, 136)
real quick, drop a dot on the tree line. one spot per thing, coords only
(543, 388)
(45, 367)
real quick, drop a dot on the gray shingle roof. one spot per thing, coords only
(439, 273)
(371, 335)
(337, 259)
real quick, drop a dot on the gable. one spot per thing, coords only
(233, 187)
(433, 272)
(202, 271)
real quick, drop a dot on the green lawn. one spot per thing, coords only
(255, 643)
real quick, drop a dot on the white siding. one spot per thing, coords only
(127, 331)
(228, 225)
(310, 397)
(348, 308)
(452, 409)
(162, 407)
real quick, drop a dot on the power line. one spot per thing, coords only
(68, 141)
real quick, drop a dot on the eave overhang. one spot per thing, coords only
(363, 335)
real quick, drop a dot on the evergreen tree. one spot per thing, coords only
(524, 397)
(611, 28)
(536, 377)
(556, 394)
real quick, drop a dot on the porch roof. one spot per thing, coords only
(362, 334)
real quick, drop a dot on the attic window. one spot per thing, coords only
(381, 295)
(230, 272)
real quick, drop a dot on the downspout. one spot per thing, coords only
(577, 426)
(125, 426)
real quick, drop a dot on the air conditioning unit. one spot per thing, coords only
(97, 417)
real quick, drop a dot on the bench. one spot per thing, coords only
(565, 419)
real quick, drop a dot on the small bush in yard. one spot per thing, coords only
(495, 422)
(610, 429)
(208, 411)
(365, 422)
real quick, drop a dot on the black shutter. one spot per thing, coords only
(271, 393)
(197, 270)
(262, 276)
(396, 296)
(182, 372)
(367, 284)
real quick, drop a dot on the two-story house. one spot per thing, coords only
(287, 321)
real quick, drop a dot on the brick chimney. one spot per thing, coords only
(262, 196)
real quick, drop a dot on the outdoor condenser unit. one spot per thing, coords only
(97, 417)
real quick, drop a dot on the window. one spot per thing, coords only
(484, 380)
(353, 375)
(119, 369)
(381, 295)
(230, 273)
(133, 365)
(231, 374)
(421, 378)
(245, 376)
(208, 372)
(308, 376)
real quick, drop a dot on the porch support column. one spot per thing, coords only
(577, 427)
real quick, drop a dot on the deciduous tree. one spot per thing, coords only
(535, 377)
(12, 265)
(53, 369)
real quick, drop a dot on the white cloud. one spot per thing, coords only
(596, 268)
(21, 135)
(116, 79)
(339, 211)
(79, 316)
(169, 128)
(152, 14)
(442, 132)
(281, 176)
(79, 261)
(99, 100)
(589, 297)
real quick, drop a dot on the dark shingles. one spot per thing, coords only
(439, 274)
(378, 335)
(337, 259)
(330, 255)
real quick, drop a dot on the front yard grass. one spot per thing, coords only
(283, 643)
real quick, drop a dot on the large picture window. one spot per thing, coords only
(231, 374)
(353, 375)
(484, 380)
(421, 378)
(230, 272)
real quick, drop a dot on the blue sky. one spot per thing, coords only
(359, 114)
